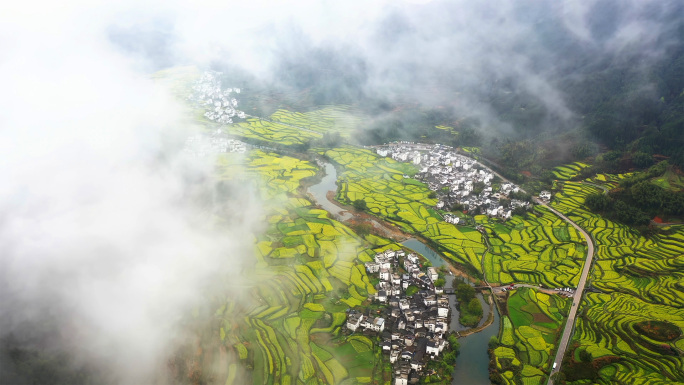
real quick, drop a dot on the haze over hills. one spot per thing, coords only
(118, 247)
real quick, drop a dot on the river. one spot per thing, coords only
(472, 364)
(320, 189)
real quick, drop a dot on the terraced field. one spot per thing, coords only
(309, 272)
(450, 130)
(389, 192)
(641, 279)
(670, 181)
(338, 118)
(539, 250)
(528, 337)
(267, 131)
(569, 171)
(291, 128)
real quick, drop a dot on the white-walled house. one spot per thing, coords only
(354, 321)
(432, 273)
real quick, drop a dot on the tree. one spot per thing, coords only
(478, 187)
(648, 195)
(475, 307)
(629, 214)
(493, 342)
(360, 205)
(450, 358)
(453, 342)
(584, 356)
(558, 378)
(520, 211)
(465, 292)
(362, 229)
(642, 159)
(440, 282)
(598, 202)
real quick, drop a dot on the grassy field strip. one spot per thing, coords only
(529, 335)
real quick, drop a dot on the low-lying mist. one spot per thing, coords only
(108, 232)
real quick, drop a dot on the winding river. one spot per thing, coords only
(472, 364)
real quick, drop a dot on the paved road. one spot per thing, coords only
(570, 324)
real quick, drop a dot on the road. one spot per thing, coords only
(577, 297)
(570, 324)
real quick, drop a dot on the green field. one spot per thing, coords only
(641, 280)
(671, 180)
(339, 118)
(569, 171)
(527, 340)
(292, 128)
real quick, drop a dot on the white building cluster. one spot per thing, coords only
(219, 106)
(414, 327)
(566, 291)
(455, 177)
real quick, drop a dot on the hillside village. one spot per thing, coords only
(460, 182)
(218, 104)
(413, 328)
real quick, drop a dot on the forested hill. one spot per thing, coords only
(526, 82)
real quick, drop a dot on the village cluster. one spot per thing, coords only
(458, 179)
(201, 146)
(566, 291)
(219, 106)
(413, 328)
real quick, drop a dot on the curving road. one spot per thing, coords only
(570, 324)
